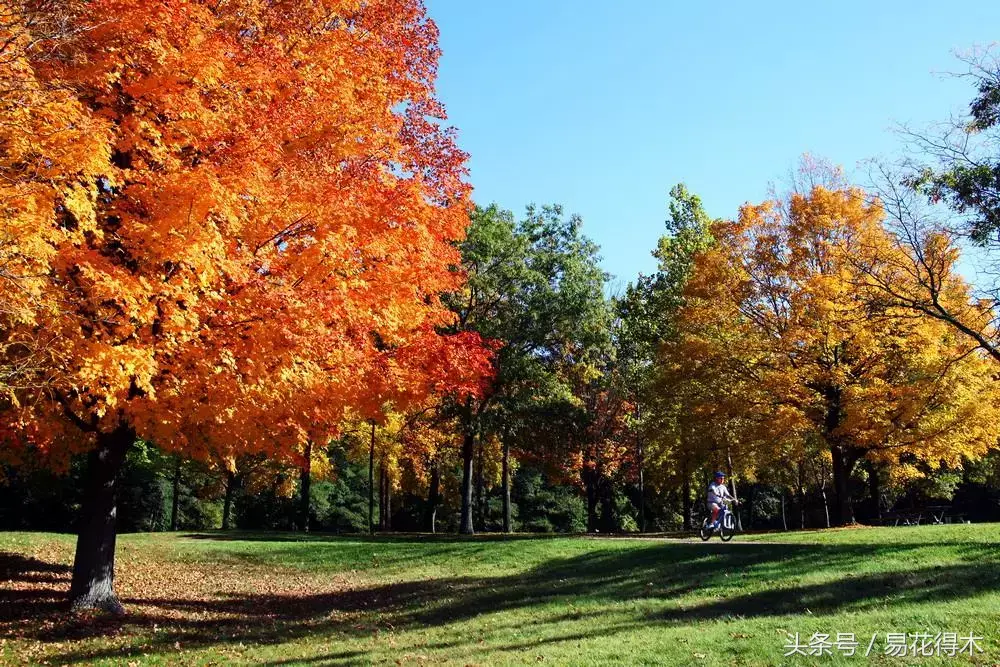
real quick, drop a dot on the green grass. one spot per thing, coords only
(282, 599)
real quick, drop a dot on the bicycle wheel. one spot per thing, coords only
(705, 532)
(728, 528)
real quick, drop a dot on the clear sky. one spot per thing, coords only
(603, 106)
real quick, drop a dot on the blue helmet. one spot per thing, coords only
(718, 474)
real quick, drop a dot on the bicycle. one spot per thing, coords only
(726, 525)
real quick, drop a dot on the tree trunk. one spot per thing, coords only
(732, 482)
(468, 453)
(874, 492)
(480, 514)
(843, 464)
(433, 497)
(305, 479)
(642, 489)
(784, 519)
(381, 495)
(175, 501)
(589, 484)
(607, 505)
(94, 564)
(826, 504)
(801, 492)
(227, 503)
(388, 501)
(371, 483)
(842, 461)
(686, 505)
(506, 487)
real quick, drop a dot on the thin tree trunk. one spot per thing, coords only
(607, 505)
(801, 491)
(686, 505)
(388, 501)
(371, 483)
(227, 504)
(381, 495)
(589, 484)
(732, 482)
(826, 504)
(642, 489)
(92, 586)
(640, 450)
(433, 497)
(506, 487)
(468, 453)
(480, 510)
(784, 519)
(175, 501)
(305, 479)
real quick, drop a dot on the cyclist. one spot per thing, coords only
(718, 494)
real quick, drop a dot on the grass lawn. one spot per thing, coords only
(284, 599)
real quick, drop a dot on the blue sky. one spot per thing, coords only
(603, 106)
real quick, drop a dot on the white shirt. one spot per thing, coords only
(718, 492)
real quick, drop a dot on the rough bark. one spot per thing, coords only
(92, 585)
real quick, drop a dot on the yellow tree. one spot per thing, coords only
(793, 351)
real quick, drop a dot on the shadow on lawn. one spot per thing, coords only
(394, 538)
(28, 593)
(662, 571)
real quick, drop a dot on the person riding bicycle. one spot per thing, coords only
(718, 494)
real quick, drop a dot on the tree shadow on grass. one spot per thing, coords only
(712, 580)
(384, 538)
(29, 590)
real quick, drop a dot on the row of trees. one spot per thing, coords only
(240, 265)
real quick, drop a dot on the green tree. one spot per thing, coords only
(644, 322)
(536, 287)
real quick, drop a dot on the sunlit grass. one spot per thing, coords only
(289, 599)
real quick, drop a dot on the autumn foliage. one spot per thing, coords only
(226, 225)
(783, 354)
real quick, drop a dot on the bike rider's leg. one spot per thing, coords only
(715, 514)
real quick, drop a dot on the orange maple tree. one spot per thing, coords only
(233, 221)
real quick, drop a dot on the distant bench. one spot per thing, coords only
(938, 515)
